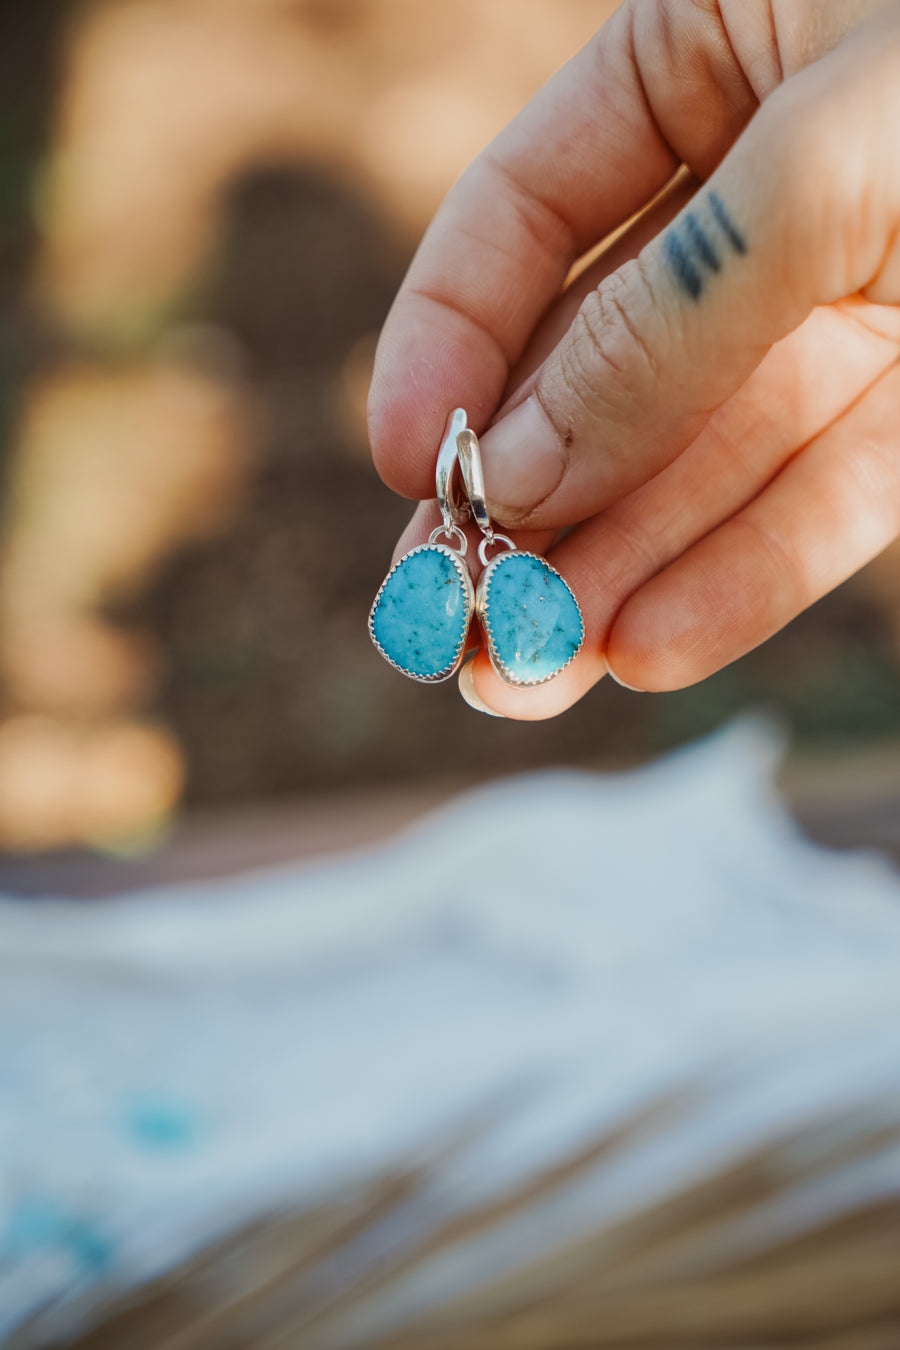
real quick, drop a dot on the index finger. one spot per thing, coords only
(582, 157)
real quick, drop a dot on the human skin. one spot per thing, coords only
(713, 405)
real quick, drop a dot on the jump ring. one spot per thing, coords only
(495, 539)
(449, 531)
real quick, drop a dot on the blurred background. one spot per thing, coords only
(206, 207)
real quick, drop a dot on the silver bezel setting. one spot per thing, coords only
(481, 607)
(469, 600)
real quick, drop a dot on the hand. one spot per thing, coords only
(715, 403)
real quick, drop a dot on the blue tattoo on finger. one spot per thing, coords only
(693, 246)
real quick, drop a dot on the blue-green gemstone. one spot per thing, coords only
(421, 614)
(531, 618)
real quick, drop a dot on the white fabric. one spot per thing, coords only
(554, 949)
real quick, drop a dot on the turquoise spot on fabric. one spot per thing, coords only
(38, 1223)
(420, 618)
(161, 1123)
(534, 622)
(90, 1246)
(33, 1223)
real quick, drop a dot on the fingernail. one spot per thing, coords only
(467, 690)
(523, 459)
(612, 674)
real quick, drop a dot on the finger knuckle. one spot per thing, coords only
(615, 331)
(830, 205)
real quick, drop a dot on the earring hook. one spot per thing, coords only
(473, 476)
(454, 510)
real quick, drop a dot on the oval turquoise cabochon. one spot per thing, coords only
(530, 617)
(421, 614)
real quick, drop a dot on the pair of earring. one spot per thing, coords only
(420, 619)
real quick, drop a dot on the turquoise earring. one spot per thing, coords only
(532, 625)
(421, 615)
(531, 621)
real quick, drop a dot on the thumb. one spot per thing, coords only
(804, 210)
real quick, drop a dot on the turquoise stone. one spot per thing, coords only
(530, 617)
(421, 614)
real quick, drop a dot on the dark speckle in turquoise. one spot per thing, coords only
(420, 618)
(534, 622)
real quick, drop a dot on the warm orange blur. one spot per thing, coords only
(141, 433)
(209, 228)
(166, 102)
